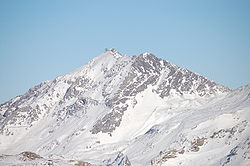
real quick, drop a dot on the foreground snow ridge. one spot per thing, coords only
(127, 110)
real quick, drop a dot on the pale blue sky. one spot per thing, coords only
(42, 39)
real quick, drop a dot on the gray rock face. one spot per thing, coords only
(110, 80)
(146, 70)
(23, 110)
(120, 160)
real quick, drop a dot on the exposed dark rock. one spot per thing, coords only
(120, 160)
(29, 156)
(141, 72)
(146, 70)
(197, 143)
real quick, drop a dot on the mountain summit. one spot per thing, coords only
(116, 107)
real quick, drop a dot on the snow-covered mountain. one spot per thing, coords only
(127, 110)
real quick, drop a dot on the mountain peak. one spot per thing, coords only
(105, 59)
(113, 52)
(138, 104)
(147, 54)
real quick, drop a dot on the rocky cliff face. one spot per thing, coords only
(147, 70)
(110, 79)
(117, 103)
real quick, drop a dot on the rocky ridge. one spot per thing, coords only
(127, 110)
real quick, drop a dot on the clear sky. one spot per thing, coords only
(41, 39)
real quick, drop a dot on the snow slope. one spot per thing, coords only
(122, 110)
